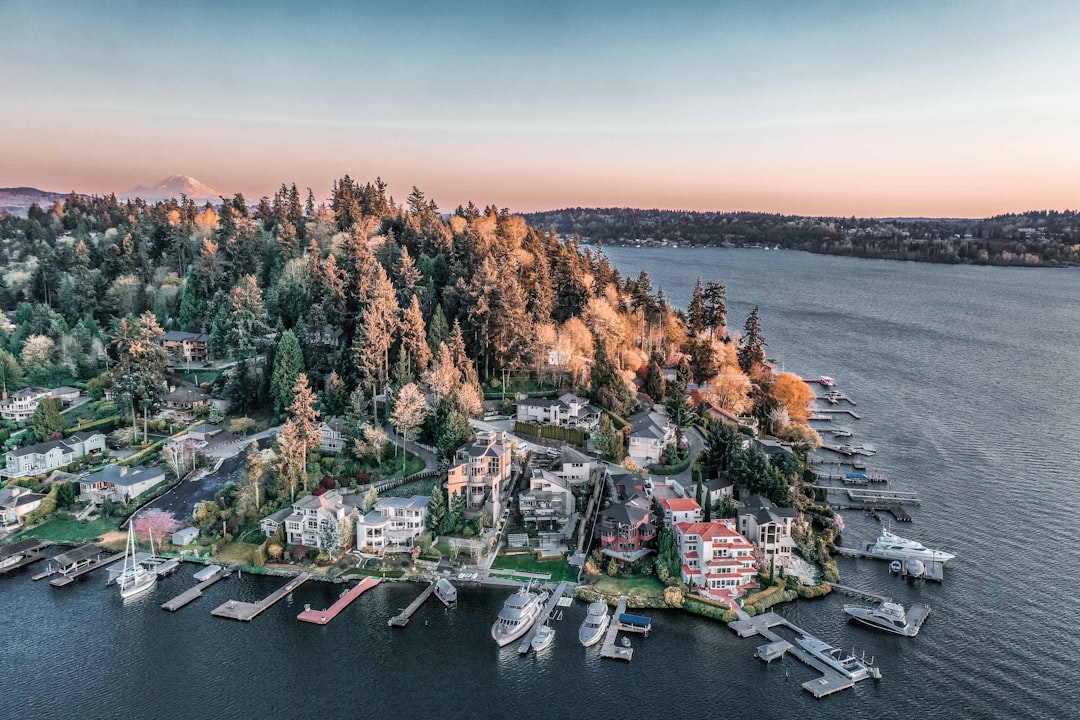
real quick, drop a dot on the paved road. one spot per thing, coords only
(697, 444)
(183, 498)
(229, 447)
(430, 461)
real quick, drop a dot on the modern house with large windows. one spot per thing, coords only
(715, 560)
(479, 470)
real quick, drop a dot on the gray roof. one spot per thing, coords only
(64, 390)
(625, 513)
(180, 335)
(27, 393)
(648, 424)
(204, 428)
(416, 502)
(568, 454)
(539, 402)
(280, 515)
(124, 476)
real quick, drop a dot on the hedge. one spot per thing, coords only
(109, 422)
(672, 469)
(552, 432)
(143, 454)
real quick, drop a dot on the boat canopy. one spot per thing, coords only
(857, 476)
(636, 620)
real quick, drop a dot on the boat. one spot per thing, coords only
(595, 624)
(826, 381)
(543, 638)
(888, 616)
(445, 591)
(135, 578)
(842, 432)
(865, 449)
(207, 572)
(915, 568)
(894, 547)
(518, 614)
(896, 566)
(838, 659)
(858, 465)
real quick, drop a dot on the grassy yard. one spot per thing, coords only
(527, 562)
(239, 553)
(634, 586)
(70, 530)
(420, 487)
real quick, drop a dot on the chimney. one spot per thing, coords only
(3, 396)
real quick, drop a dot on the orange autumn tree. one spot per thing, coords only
(794, 395)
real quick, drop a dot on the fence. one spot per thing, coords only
(398, 482)
(552, 432)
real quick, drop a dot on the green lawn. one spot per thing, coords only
(420, 487)
(70, 530)
(635, 586)
(527, 562)
(238, 553)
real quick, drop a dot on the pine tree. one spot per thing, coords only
(438, 330)
(696, 312)
(715, 307)
(752, 346)
(356, 416)
(679, 411)
(303, 415)
(653, 384)
(608, 441)
(47, 419)
(436, 516)
(192, 306)
(371, 348)
(408, 414)
(414, 337)
(452, 428)
(288, 364)
(245, 326)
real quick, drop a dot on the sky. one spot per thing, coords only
(825, 108)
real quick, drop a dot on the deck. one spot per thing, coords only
(553, 601)
(245, 611)
(610, 649)
(830, 681)
(76, 563)
(932, 570)
(27, 552)
(192, 594)
(321, 617)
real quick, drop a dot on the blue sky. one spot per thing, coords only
(835, 108)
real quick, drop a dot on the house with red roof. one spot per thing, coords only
(680, 510)
(716, 561)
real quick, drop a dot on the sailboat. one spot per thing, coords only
(135, 578)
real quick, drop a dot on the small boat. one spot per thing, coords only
(858, 465)
(894, 547)
(838, 659)
(543, 638)
(826, 381)
(207, 572)
(842, 432)
(595, 624)
(890, 617)
(895, 566)
(626, 642)
(518, 614)
(445, 591)
(914, 568)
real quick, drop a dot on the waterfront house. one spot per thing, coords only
(332, 436)
(568, 410)
(575, 466)
(626, 530)
(715, 560)
(43, 457)
(21, 404)
(186, 346)
(480, 468)
(394, 523)
(549, 498)
(182, 401)
(650, 434)
(185, 536)
(119, 483)
(772, 447)
(768, 527)
(680, 510)
(271, 523)
(16, 503)
(311, 517)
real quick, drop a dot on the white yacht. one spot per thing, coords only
(894, 547)
(890, 617)
(838, 659)
(136, 577)
(595, 624)
(544, 637)
(518, 614)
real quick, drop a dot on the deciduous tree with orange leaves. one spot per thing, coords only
(795, 395)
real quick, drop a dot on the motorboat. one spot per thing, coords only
(826, 381)
(890, 617)
(595, 624)
(858, 465)
(894, 547)
(915, 568)
(896, 566)
(518, 614)
(842, 432)
(445, 591)
(544, 637)
(838, 659)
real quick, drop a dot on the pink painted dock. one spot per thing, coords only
(321, 617)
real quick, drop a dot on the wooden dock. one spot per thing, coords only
(76, 563)
(192, 594)
(245, 611)
(553, 601)
(830, 681)
(20, 554)
(932, 570)
(610, 649)
(402, 618)
(321, 617)
(837, 411)
(860, 594)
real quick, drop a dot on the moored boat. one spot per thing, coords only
(595, 624)
(518, 614)
(544, 637)
(838, 659)
(135, 578)
(890, 617)
(894, 547)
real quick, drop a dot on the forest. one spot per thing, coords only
(1037, 238)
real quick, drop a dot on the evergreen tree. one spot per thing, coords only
(653, 384)
(414, 337)
(356, 416)
(696, 312)
(752, 346)
(244, 326)
(438, 330)
(715, 307)
(243, 388)
(679, 410)
(608, 441)
(11, 374)
(47, 419)
(192, 306)
(288, 364)
(452, 428)
(436, 516)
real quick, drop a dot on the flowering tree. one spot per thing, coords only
(156, 525)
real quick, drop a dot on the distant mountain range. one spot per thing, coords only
(17, 200)
(173, 187)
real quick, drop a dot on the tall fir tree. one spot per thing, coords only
(752, 346)
(288, 364)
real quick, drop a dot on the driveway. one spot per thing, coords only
(231, 446)
(697, 444)
(183, 498)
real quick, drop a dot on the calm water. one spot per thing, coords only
(965, 379)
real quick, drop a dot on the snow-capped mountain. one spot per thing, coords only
(175, 186)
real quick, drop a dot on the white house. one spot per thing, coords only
(311, 517)
(680, 510)
(769, 528)
(393, 522)
(549, 498)
(46, 456)
(16, 503)
(575, 466)
(479, 470)
(332, 438)
(568, 410)
(715, 559)
(21, 404)
(119, 483)
(716, 489)
(65, 394)
(650, 434)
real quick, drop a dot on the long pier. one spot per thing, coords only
(192, 594)
(553, 601)
(27, 552)
(402, 618)
(75, 563)
(610, 649)
(837, 411)
(830, 681)
(321, 617)
(857, 593)
(245, 611)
